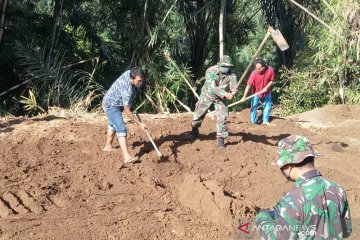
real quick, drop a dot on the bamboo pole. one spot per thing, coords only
(168, 12)
(167, 55)
(2, 19)
(82, 61)
(221, 28)
(140, 105)
(177, 110)
(182, 104)
(254, 56)
(315, 17)
(188, 83)
(96, 64)
(152, 103)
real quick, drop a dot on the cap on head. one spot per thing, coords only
(225, 61)
(294, 149)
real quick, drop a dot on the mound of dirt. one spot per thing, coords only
(209, 199)
(330, 116)
(56, 183)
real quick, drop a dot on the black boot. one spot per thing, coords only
(221, 143)
(194, 133)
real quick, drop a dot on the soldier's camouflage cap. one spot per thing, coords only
(294, 149)
(225, 61)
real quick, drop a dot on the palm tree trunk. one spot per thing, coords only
(2, 19)
(222, 27)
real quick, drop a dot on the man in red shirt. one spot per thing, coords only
(260, 80)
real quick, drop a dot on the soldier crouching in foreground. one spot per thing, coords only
(315, 208)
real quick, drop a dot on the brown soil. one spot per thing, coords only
(56, 183)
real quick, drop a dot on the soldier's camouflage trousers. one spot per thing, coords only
(221, 111)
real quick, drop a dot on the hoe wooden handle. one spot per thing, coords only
(149, 136)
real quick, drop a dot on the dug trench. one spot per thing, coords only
(56, 183)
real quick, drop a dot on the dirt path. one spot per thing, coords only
(56, 183)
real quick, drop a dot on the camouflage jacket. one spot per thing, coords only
(217, 83)
(314, 209)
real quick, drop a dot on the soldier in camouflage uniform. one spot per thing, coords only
(315, 208)
(219, 80)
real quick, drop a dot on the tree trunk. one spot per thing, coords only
(199, 22)
(57, 22)
(2, 25)
(222, 27)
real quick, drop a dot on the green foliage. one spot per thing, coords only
(3, 112)
(175, 42)
(120, 34)
(303, 92)
(329, 66)
(175, 80)
(352, 96)
(31, 105)
(54, 84)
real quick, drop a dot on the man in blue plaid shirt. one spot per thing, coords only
(118, 99)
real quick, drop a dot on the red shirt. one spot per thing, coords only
(259, 80)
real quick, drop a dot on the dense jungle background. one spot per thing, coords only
(67, 53)
(58, 58)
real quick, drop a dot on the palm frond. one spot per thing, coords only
(55, 84)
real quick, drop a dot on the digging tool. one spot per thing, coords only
(247, 98)
(253, 95)
(151, 140)
(278, 39)
(280, 42)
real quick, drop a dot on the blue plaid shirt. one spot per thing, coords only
(120, 93)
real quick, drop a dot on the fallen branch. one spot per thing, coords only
(15, 87)
(182, 104)
(152, 103)
(316, 18)
(96, 64)
(82, 61)
(140, 105)
(167, 55)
